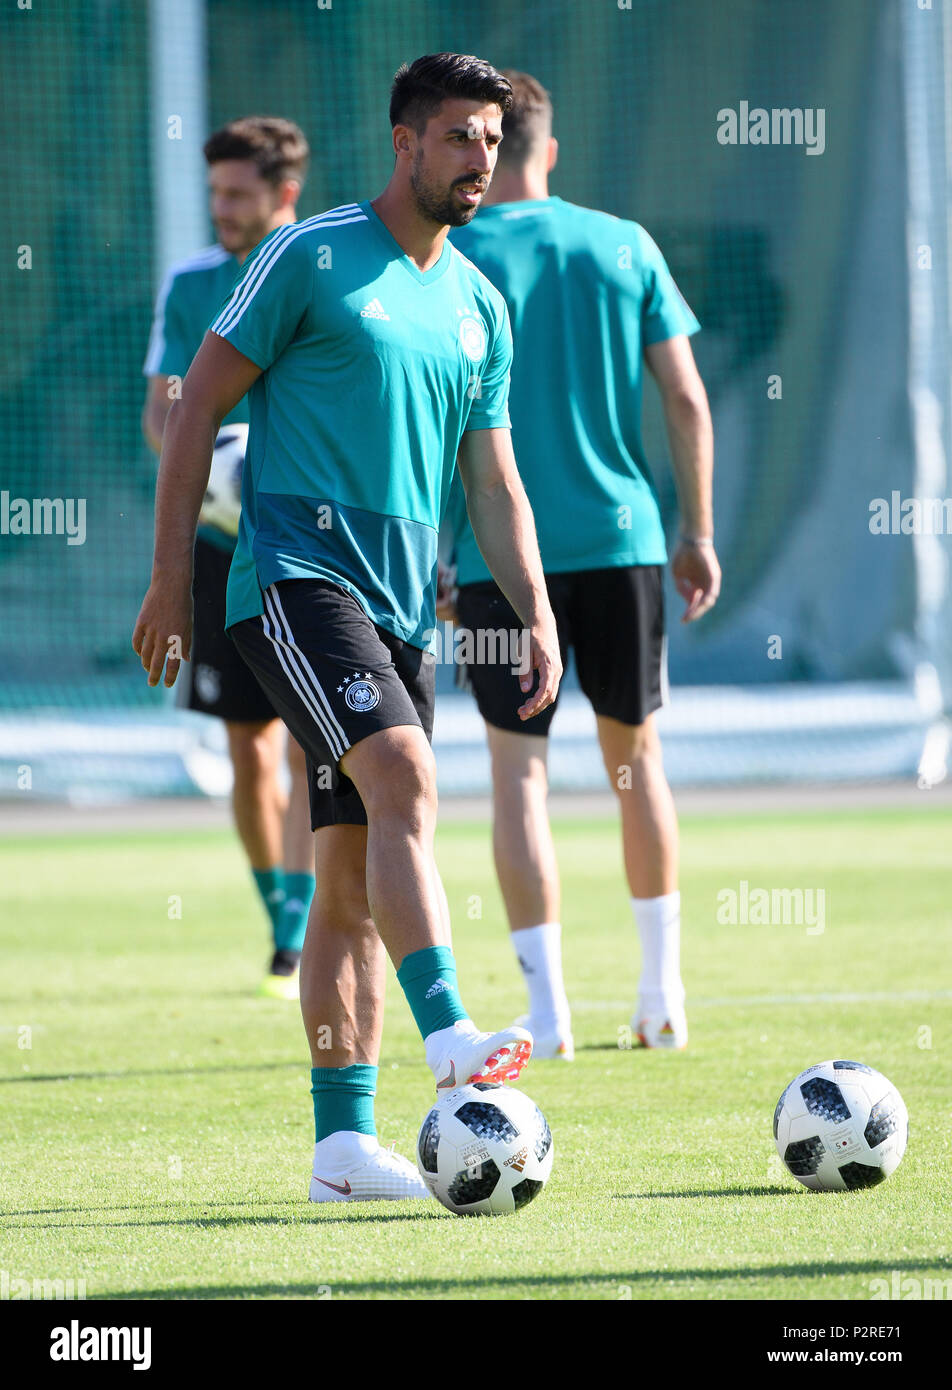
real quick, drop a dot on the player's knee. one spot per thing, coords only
(518, 774)
(412, 789)
(519, 771)
(404, 785)
(519, 791)
(252, 751)
(632, 755)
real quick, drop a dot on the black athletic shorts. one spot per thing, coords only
(217, 681)
(334, 677)
(613, 620)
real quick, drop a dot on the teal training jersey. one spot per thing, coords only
(587, 293)
(372, 371)
(190, 297)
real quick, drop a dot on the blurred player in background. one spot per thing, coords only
(256, 167)
(589, 298)
(376, 355)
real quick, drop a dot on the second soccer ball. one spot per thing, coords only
(839, 1126)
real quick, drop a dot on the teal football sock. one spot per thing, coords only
(270, 884)
(292, 922)
(428, 979)
(343, 1099)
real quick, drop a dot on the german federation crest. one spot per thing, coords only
(472, 336)
(360, 693)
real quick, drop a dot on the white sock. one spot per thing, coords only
(659, 926)
(340, 1153)
(539, 952)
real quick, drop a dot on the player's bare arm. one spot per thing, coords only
(217, 379)
(505, 532)
(694, 564)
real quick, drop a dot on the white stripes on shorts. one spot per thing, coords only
(300, 673)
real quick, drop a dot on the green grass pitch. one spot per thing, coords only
(156, 1131)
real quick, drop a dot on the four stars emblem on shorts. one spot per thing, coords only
(360, 692)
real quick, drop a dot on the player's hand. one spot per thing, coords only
(164, 630)
(446, 592)
(697, 578)
(544, 659)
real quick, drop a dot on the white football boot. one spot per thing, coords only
(383, 1177)
(665, 1027)
(461, 1054)
(549, 1044)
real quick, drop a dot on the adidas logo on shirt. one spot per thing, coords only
(374, 310)
(438, 987)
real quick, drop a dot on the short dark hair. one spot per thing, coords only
(419, 90)
(277, 147)
(528, 121)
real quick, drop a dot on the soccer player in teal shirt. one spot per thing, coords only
(590, 298)
(256, 166)
(374, 354)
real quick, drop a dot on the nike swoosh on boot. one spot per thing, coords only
(344, 1191)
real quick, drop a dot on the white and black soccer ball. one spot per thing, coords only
(485, 1150)
(222, 504)
(839, 1126)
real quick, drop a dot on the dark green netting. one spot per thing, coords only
(795, 265)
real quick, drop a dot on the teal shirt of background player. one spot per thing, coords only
(371, 371)
(191, 295)
(586, 292)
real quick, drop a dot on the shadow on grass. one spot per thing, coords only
(710, 1192)
(151, 1071)
(321, 1212)
(136, 992)
(635, 1046)
(474, 1286)
(298, 1214)
(227, 1222)
(87, 1210)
